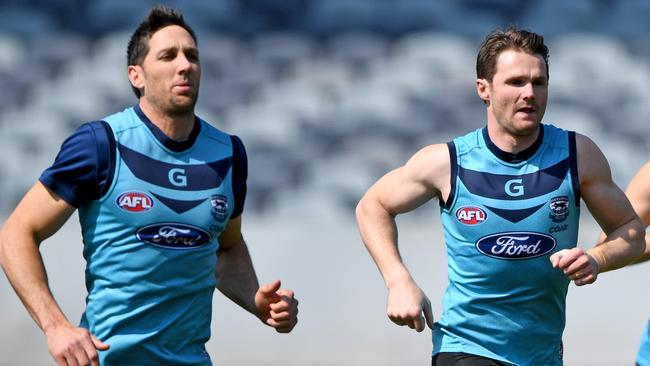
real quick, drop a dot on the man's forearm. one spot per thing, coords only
(236, 277)
(622, 247)
(23, 265)
(379, 234)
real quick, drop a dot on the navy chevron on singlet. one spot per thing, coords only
(515, 215)
(196, 177)
(178, 206)
(535, 184)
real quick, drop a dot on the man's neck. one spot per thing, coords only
(509, 142)
(177, 128)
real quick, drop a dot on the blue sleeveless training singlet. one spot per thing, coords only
(506, 214)
(150, 244)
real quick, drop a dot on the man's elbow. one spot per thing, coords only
(367, 205)
(360, 210)
(636, 232)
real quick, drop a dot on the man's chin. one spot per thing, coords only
(525, 128)
(182, 106)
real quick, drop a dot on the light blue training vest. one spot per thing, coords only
(502, 221)
(150, 244)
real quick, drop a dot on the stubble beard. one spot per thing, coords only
(526, 132)
(182, 107)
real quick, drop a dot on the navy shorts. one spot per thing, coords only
(464, 359)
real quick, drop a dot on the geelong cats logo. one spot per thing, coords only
(559, 207)
(219, 204)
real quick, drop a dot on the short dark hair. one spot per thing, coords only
(159, 17)
(510, 39)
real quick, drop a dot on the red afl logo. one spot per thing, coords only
(471, 215)
(134, 201)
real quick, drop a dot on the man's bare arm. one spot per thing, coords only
(39, 215)
(610, 207)
(425, 176)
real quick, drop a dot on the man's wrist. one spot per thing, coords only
(595, 258)
(398, 278)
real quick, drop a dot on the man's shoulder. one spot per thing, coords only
(214, 133)
(122, 120)
(468, 141)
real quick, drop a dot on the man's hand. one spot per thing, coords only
(277, 307)
(406, 305)
(576, 264)
(72, 346)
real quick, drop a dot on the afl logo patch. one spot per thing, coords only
(516, 245)
(134, 201)
(173, 235)
(219, 207)
(559, 207)
(471, 215)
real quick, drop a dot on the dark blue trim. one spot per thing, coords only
(84, 167)
(178, 206)
(513, 158)
(187, 177)
(173, 145)
(514, 216)
(534, 184)
(453, 161)
(239, 174)
(573, 164)
(111, 159)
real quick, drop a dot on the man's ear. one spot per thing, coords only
(136, 77)
(483, 90)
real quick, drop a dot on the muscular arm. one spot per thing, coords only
(425, 176)
(39, 215)
(237, 280)
(610, 207)
(638, 191)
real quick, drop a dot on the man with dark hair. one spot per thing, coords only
(160, 193)
(509, 198)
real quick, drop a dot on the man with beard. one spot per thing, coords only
(509, 197)
(160, 193)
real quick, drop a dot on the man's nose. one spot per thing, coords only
(184, 63)
(529, 91)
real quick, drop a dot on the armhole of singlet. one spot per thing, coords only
(573, 161)
(452, 179)
(239, 174)
(110, 159)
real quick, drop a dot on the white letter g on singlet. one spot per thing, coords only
(177, 177)
(514, 188)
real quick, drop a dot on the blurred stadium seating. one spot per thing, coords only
(327, 94)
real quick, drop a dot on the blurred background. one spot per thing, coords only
(328, 95)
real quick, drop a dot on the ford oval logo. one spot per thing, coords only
(173, 235)
(516, 245)
(134, 201)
